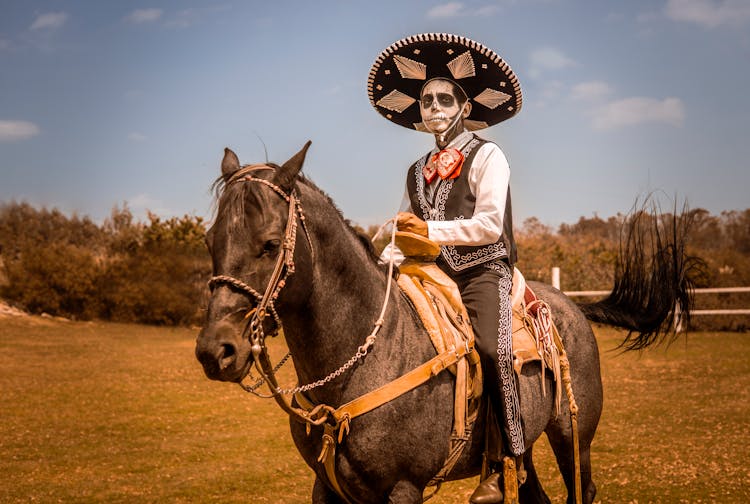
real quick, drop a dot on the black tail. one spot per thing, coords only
(654, 279)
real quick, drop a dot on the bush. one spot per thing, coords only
(122, 271)
(59, 279)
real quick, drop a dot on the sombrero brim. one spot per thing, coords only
(398, 74)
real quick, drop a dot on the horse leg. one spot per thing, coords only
(561, 440)
(324, 495)
(404, 492)
(531, 491)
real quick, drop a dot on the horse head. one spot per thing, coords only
(254, 249)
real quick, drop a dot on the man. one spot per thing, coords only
(458, 195)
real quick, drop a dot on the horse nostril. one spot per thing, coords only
(227, 355)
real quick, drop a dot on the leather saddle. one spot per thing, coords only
(438, 302)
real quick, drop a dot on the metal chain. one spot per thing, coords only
(369, 341)
(361, 352)
(260, 381)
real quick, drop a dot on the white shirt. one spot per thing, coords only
(489, 177)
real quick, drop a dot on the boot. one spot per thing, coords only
(488, 491)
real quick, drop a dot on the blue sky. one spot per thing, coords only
(109, 102)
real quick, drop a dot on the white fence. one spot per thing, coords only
(710, 290)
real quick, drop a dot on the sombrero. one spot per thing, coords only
(398, 74)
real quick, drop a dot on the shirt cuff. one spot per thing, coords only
(441, 232)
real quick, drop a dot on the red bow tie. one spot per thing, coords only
(447, 163)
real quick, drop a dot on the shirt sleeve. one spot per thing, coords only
(489, 178)
(392, 249)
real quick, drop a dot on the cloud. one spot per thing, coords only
(446, 10)
(49, 20)
(592, 91)
(14, 131)
(143, 203)
(457, 9)
(638, 110)
(145, 15)
(137, 137)
(548, 58)
(185, 18)
(709, 13)
(487, 10)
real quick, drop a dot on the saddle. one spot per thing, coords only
(437, 301)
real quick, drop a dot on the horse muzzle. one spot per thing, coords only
(223, 353)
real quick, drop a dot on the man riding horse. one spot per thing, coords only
(458, 194)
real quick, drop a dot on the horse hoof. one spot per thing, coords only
(488, 491)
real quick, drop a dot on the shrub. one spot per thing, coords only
(123, 270)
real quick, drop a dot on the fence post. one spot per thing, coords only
(556, 277)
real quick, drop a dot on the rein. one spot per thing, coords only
(254, 331)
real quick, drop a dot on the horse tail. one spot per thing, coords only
(654, 279)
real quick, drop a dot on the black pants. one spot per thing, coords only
(485, 291)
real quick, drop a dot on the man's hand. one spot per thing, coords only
(411, 223)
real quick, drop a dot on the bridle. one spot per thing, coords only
(254, 329)
(283, 268)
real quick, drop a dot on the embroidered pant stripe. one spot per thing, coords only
(505, 365)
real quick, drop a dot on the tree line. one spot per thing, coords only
(156, 272)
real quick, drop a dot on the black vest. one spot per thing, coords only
(453, 200)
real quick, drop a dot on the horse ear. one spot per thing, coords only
(289, 170)
(229, 164)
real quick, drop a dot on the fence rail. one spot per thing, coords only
(707, 290)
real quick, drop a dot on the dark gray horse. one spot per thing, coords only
(329, 305)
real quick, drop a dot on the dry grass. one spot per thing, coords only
(95, 412)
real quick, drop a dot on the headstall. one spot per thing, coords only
(283, 269)
(254, 330)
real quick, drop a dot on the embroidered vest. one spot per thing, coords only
(453, 200)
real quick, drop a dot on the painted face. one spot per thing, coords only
(439, 106)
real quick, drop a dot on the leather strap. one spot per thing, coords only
(328, 458)
(401, 385)
(372, 400)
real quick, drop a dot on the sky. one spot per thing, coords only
(105, 104)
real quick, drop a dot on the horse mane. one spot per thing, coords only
(236, 206)
(235, 203)
(360, 235)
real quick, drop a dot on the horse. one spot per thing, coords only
(281, 249)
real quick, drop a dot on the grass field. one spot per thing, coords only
(95, 412)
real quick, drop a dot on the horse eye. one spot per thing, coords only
(271, 246)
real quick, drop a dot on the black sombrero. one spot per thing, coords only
(398, 74)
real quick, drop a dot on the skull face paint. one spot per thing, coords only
(440, 108)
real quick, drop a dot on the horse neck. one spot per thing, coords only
(346, 293)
